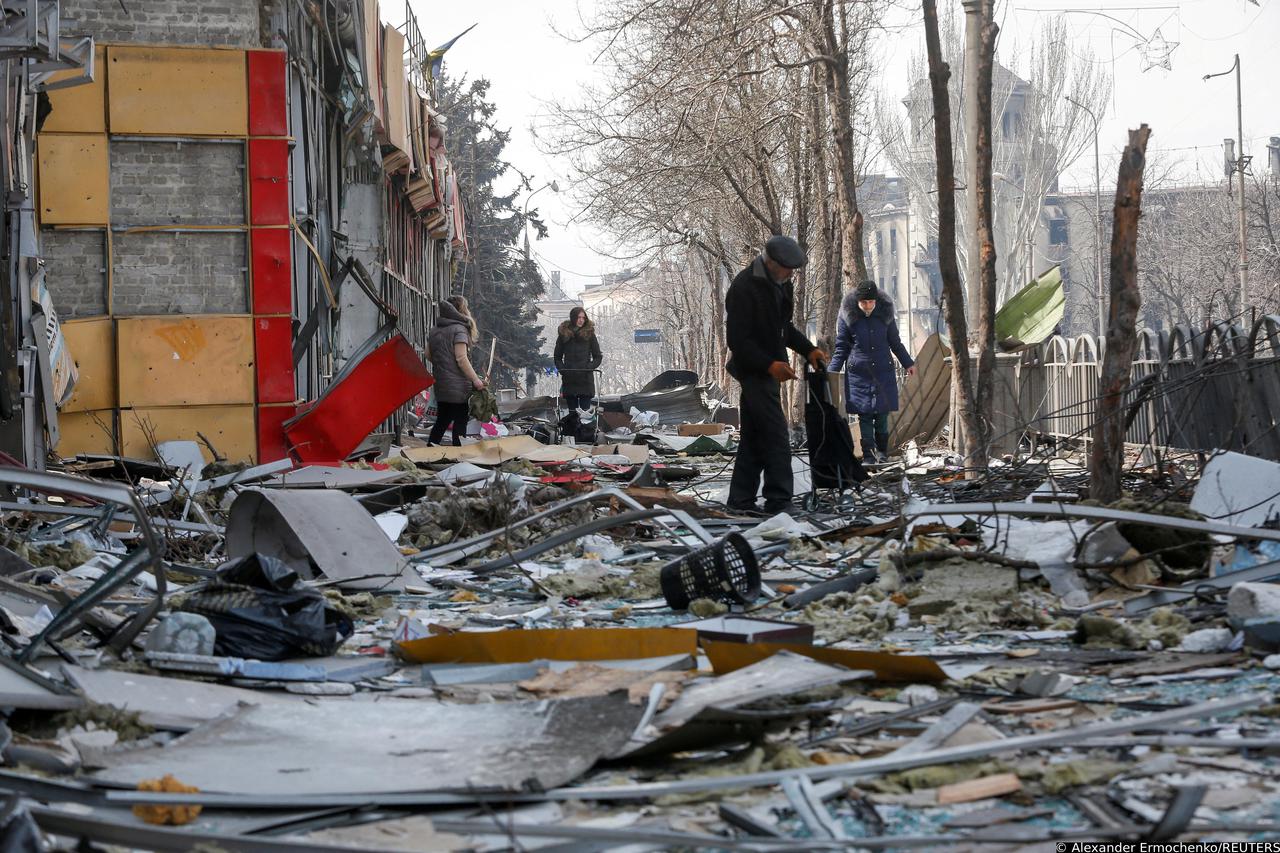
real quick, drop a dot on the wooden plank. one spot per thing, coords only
(170, 91)
(193, 361)
(74, 181)
(700, 429)
(92, 343)
(231, 429)
(86, 432)
(1029, 706)
(979, 789)
(83, 108)
(397, 90)
(925, 396)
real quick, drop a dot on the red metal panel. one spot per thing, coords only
(268, 182)
(272, 444)
(268, 109)
(273, 343)
(353, 407)
(272, 250)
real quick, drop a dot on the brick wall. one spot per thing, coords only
(75, 272)
(216, 23)
(179, 273)
(177, 183)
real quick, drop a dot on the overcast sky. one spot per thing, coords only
(517, 48)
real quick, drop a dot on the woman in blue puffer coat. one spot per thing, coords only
(866, 341)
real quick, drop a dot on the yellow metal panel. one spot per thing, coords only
(185, 361)
(230, 429)
(74, 181)
(86, 432)
(551, 644)
(83, 108)
(92, 344)
(171, 91)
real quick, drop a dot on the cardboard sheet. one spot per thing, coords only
(495, 451)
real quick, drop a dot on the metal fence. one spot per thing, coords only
(1192, 390)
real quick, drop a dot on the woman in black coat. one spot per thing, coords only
(577, 355)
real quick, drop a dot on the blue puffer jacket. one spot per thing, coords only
(865, 346)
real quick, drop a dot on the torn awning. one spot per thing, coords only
(1031, 314)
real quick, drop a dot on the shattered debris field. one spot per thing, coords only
(511, 645)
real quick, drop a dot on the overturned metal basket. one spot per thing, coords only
(725, 571)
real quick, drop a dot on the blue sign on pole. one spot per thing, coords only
(648, 336)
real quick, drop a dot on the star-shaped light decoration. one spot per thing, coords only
(1157, 52)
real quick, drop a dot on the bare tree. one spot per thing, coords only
(1036, 134)
(984, 312)
(952, 287)
(722, 122)
(1106, 461)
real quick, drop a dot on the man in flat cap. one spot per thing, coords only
(759, 331)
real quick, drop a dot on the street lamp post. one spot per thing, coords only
(1097, 225)
(1239, 166)
(555, 188)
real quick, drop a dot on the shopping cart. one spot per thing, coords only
(569, 421)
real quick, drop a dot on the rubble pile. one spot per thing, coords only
(512, 644)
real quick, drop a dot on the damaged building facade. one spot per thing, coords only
(244, 205)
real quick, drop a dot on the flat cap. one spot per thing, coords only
(785, 251)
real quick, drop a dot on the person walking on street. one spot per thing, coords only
(454, 334)
(758, 330)
(577, 355)
(867, 340)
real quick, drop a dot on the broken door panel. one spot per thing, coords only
(353, 406)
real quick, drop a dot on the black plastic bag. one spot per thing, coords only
(260, 610)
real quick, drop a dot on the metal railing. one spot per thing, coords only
(1191, 390)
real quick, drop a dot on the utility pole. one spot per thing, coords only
(905, 250)
(1097, 223)
(1241, 163)
(973, 21)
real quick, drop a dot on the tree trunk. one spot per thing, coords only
(978, 446)
(949, 269)
(1106, 461)
(836, 78)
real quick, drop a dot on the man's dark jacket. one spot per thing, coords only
(758, 322)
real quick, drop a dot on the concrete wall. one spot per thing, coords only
(179, 273)
(75, 263)
(177, 183)
(219, 23)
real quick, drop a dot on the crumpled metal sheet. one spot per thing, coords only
(389, 746)
(684, 404)
(326, 527)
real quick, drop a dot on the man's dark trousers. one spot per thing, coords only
(763, 445)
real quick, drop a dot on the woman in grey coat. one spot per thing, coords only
(454, 334)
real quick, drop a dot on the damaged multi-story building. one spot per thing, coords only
(240, 206)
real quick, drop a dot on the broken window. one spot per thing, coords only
(1058, 232)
